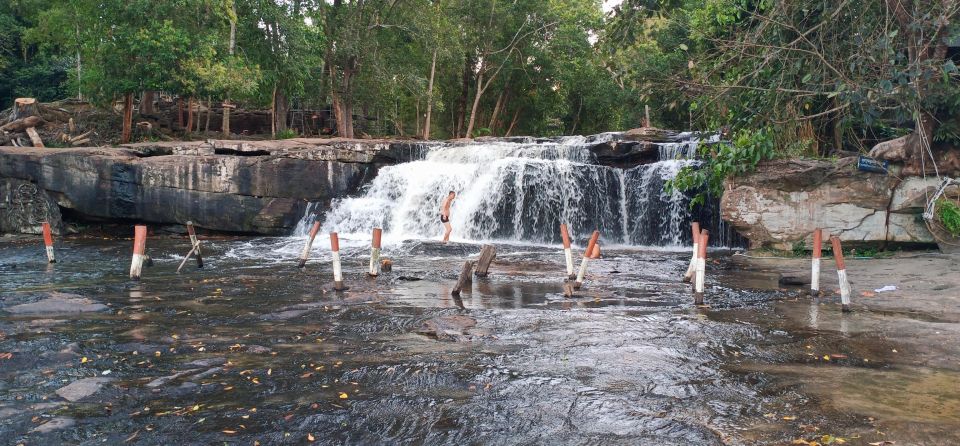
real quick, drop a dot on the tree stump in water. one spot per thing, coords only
(486, 256)
(465, 279)
(23, 108)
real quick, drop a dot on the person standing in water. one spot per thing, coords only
(445, 215)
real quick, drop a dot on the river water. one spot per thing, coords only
(251, 350)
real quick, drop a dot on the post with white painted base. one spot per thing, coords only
(195, 244)
(375, 253)
(337, 270)
(841, 274)
(306, 249)
(139, 249)
(48, 242)
(815, 263)
(692, 267)
(567, 253)
(701, 267)
(586, 258)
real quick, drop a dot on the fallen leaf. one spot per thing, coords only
(343, 396)
(83, 360)
(310, 437)
(790, 418)
(826, 357)
(6, 355)
(882, 443)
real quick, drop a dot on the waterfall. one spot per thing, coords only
(521, 192)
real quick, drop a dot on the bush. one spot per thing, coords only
(728, 159)
(286, 134)
(949, 214)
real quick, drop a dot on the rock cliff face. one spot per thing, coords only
(249, 187)
(785, 200)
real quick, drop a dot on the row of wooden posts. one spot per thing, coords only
(696, 270)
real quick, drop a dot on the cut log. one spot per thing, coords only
(21, 125)
(23, 108)
(80, 142)
(35, 137)
(71, 126)
(486, 256)
(80, 137)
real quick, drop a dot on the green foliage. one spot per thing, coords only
(287, 134)
(724, 160)
(799, 249)
(949, 214)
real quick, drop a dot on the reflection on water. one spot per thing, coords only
(252, 349)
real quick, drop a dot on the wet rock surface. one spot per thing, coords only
(82, 388)
(631, 361)
(57, 303)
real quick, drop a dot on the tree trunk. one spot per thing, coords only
(496, 110)
(146, 104)
(225, 127)
(273, 112)
(206, 126)
(476, 105)
(189, 126)
(180, 111)
(464, 93)
(433, 71)
(513, 123)
(281, 108)
(127, 118)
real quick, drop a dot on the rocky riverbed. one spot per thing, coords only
(249, 349)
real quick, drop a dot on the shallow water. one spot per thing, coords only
(283, 358)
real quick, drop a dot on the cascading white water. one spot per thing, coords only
(521, 192)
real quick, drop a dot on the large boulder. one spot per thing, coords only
(785, 200)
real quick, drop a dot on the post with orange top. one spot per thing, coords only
(139, 249)
(48, 242)
(692, 268)
(841, 274)
(596, 252)
(586, 258)
(375, 253)
(195, 243)
(337, 270)
(701, 267)
(306, 249)
(815, 263)
(567, 253)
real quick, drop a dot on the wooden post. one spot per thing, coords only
(48, 242)
(567, 253)
(841, 274)
(195, 244)
(306, 249)
(127, 118)
(139, 248)
(646, 115)
(487, 255)
(586, 258)
(701, 267)
(337, 269)
(375, 252)
(692, 267)
(465, 279)
(596, 252)
(815, 262)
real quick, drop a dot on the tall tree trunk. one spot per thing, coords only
(225, 126)
(127, 118)
(273, 113)
(464, 93)
(189, 126)
(433, 71)
(476, 105)
(146, 104)
(281, 108)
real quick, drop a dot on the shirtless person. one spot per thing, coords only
(445, 215)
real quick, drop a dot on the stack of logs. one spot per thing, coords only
(23, 123)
